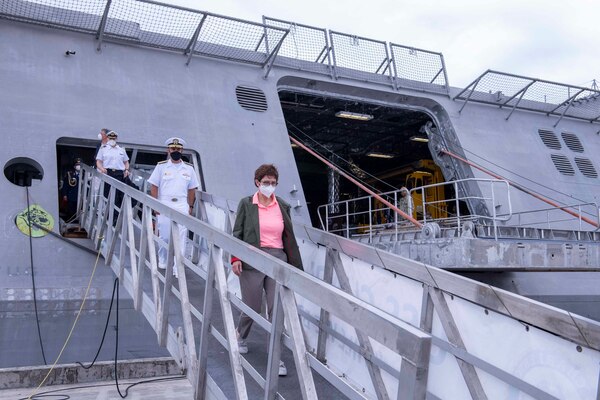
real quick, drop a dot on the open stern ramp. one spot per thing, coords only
(367, 322)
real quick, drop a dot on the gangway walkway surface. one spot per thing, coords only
(368, 322)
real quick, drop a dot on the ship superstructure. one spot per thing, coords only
(502, 175)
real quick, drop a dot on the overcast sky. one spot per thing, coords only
(551, 39)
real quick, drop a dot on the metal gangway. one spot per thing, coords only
(369, 323)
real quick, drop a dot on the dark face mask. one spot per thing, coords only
(176, 155)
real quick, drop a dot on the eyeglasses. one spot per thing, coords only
(268, 183)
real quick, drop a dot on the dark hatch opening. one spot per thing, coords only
(142, 158)
(391, 146)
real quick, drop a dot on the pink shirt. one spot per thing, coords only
(270, 222)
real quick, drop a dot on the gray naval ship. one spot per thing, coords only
(479, 281)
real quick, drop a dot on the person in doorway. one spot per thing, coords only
(112, 160)
(70, 190)
(174, 183)
(103, 137)
(264, 221)
(405, 203)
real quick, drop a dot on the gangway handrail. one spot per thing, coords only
(98, 215)
(439, 287)
(535, 313)
(566, 325)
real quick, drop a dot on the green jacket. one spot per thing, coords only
(246, 228)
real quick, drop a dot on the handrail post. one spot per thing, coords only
(370, 221)
(347, 220)
(396, 214)
(424, 205)
(457, 207)
(494, 213)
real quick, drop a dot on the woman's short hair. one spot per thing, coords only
(266, 170)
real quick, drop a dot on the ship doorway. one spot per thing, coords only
(386, 147)
(142, 160)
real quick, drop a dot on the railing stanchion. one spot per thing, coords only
(370, 221)
(395, 214)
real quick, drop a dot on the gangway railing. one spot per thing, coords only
(373, 324)
(366, 216)
(128, 242)
(487, 342)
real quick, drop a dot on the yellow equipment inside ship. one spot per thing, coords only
(427, 173)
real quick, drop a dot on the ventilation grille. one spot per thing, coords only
(550, 139)
(586, 167)
(251, 99)
(562, 164)
(572, 142)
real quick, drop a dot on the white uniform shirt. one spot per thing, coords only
(112, 157)
(173, 179)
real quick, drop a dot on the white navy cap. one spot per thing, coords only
(175, 142)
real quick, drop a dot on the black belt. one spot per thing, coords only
(115, 173)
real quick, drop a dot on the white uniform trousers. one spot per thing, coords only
(164, 230)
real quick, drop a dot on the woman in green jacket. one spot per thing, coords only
(264, 221)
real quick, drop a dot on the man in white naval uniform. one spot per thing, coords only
(113, 161)
(173, 182)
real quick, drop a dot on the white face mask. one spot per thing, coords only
(99, 136)
(267, 190)
(77, 167)
(112, 143)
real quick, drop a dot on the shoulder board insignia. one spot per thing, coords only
(161, 162)
(190, 164)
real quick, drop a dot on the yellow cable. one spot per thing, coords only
(72, 327)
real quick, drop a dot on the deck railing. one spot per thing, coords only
(274, 42)
(365, 216)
